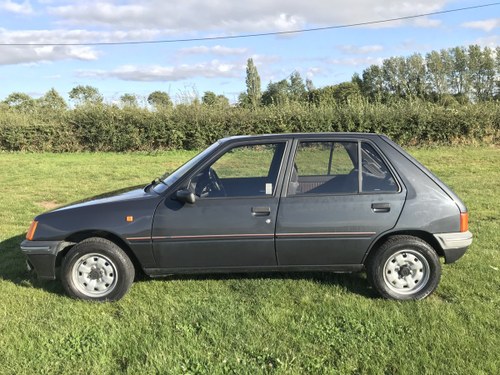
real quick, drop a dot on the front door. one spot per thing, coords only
(332, 212)
(232, 222)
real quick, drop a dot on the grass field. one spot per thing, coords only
(315, 323)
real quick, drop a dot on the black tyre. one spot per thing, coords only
(404, 268)
(97, 269)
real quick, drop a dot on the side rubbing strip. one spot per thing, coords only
(254, 235)
(326, 234)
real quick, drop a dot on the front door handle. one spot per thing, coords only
(381, 207)
(261, 211)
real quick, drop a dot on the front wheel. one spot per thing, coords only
(404, 268)
(97, 269)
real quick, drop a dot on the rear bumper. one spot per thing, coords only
(41, 256)
(454, 244)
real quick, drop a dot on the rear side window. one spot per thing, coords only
(376, 176)
(329, 167)
(325, 168)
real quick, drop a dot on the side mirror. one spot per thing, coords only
(185, 196)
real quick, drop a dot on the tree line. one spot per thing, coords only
(455, 75)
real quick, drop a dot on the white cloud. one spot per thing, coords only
(212, 69)
(40, 54)
(75, 36)
(491, 41)
(485, 25)
(357, 61)
(243, 16)
(214, 50)
(18, 8)
(361, 50)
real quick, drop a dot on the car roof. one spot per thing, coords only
(301, 136)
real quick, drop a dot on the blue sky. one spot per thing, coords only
(183, 69)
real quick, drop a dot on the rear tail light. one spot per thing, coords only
(464, 222)
(31, 230)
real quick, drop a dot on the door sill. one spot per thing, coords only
(341, 268)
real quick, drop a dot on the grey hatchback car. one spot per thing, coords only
(338, 202)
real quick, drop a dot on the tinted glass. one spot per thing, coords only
(325, 168)
(376, 175)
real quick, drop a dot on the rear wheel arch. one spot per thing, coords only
(404, 267)
(423, 235)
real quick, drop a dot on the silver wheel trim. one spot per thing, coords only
(94, 275)
(408, 262)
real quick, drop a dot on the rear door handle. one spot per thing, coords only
(261, 211)
(381, 207)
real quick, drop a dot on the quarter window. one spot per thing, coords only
(376, 176)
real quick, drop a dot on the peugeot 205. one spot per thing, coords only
(340, 202)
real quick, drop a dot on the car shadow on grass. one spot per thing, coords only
(355, 283)
(13, 269)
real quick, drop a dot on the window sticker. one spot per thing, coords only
(269, 189)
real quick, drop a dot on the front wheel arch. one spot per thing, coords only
(117, 240)
(97, 269)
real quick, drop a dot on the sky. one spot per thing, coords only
(184, 69)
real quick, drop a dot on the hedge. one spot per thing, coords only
(109, 128)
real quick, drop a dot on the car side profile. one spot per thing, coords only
(340, 202)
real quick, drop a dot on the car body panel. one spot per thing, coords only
(214, 232)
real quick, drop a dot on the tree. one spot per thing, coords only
(393, 72)
(497, 68)
(160, 100)
(372, 83)
(438, 69)
(481, 66)
(342, 93)
(128, 100)
(81, 95)
(51, 101)
(414, 76)
(276, 93)
(297, 89)
(253, 84)
(21, 102)
(211, 99)
(459, 75)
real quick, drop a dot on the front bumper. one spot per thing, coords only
(41, 256)
(454, 244)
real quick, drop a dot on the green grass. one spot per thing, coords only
(285, 324)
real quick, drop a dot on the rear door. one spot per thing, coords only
(340, 194)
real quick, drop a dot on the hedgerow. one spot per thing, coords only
(104, 127)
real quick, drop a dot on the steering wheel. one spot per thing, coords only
(216, 182)
(208, 184)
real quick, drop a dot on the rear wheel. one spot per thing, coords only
(404, 268)
(97, 269)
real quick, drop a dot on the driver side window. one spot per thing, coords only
(243, 171)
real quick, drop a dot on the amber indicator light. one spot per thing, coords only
(31, 230)
(464, 222)
(129, 219)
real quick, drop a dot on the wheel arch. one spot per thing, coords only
(77, 237)
(423, 235)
